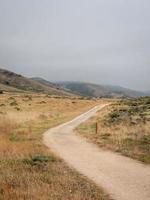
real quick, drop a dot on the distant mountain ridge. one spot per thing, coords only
(147, 92)
(13, 82)
(95, 90)
(10, 81)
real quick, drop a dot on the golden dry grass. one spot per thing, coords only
(126, 136)
(28, 169)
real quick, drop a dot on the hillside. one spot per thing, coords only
(94, 90)
(12, 82)
(147, 92)
(122, 127)
(45, 82)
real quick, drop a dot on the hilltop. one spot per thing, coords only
(94, 90)
(13, 82)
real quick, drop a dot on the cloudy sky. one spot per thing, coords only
(100, 41)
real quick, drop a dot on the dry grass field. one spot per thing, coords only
(122, 127)
(28, 169)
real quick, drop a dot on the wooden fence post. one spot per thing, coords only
(96, 127)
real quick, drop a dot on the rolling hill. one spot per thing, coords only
(45, 82)
(12, 82)
(94, 90)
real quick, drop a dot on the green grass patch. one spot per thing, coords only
(14, 137)
(39, 159)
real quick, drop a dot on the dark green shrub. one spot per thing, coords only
(14, 103)
(39, 159)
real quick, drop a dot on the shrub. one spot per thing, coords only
(41, 102)
(2, 105)
(14, 138)
(14, 103)
(38, 159)
(17, 108)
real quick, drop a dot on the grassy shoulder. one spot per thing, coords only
(28, 169)
(123, 127)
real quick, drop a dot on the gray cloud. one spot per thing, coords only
(101, 41)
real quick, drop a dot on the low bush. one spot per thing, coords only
(38, 159)
(14, 103)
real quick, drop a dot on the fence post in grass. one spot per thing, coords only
(96, 127)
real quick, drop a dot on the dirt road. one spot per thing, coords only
(121, 177)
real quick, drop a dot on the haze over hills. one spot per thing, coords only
(12, 82)
(45, 82)
(147, 92)
(89, 89)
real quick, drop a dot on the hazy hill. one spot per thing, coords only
(88, 89)
(10, 81)
(45, 82)
(147, 92)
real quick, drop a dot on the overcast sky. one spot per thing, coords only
(100, 41)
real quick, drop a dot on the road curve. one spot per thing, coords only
(122, 177)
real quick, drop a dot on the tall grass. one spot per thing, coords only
(123, 127)
(28, 170)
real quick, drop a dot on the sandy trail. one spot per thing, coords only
(122, 177)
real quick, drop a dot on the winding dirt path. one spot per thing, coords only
(122, 177)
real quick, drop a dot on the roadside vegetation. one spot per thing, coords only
(122, 127)
(28, 169)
